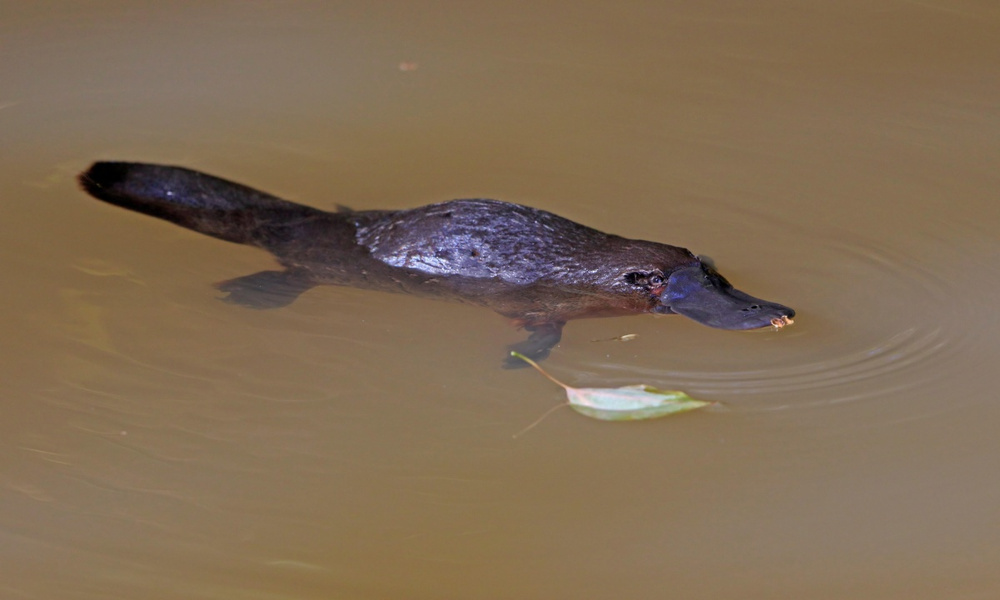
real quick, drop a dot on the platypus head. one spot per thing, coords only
(698, 292)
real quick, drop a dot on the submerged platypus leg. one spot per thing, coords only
(267, 289)
(544, 336)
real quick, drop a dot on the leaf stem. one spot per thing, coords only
(516, 354)
(540, 419)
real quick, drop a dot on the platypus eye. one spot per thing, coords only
(645, 280)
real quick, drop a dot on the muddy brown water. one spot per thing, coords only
(838, 157)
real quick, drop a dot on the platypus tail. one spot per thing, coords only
(191, 199)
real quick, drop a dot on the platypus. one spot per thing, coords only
(534, 267)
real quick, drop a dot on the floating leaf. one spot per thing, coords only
(629, 403)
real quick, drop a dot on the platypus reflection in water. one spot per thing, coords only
(532, 266)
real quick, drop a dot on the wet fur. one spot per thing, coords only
(526, 264)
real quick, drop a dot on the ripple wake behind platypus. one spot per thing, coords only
(532, 266)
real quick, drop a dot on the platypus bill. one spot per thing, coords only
(532, 266)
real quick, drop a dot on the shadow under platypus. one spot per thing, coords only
(532, 266)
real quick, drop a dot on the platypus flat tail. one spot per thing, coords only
(206, 204)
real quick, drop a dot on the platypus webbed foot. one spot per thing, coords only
(543, 338)
(266, 289)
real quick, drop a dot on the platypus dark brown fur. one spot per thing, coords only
(532, 266)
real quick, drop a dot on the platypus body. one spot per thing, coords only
(532, 266)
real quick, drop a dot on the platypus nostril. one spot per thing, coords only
(751, 308)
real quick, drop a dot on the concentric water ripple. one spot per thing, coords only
(881, 321)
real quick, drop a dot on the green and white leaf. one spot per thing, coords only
(629, 403)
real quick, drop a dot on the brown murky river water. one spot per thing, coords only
(839, 157)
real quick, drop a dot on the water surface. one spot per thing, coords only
(158, 443)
